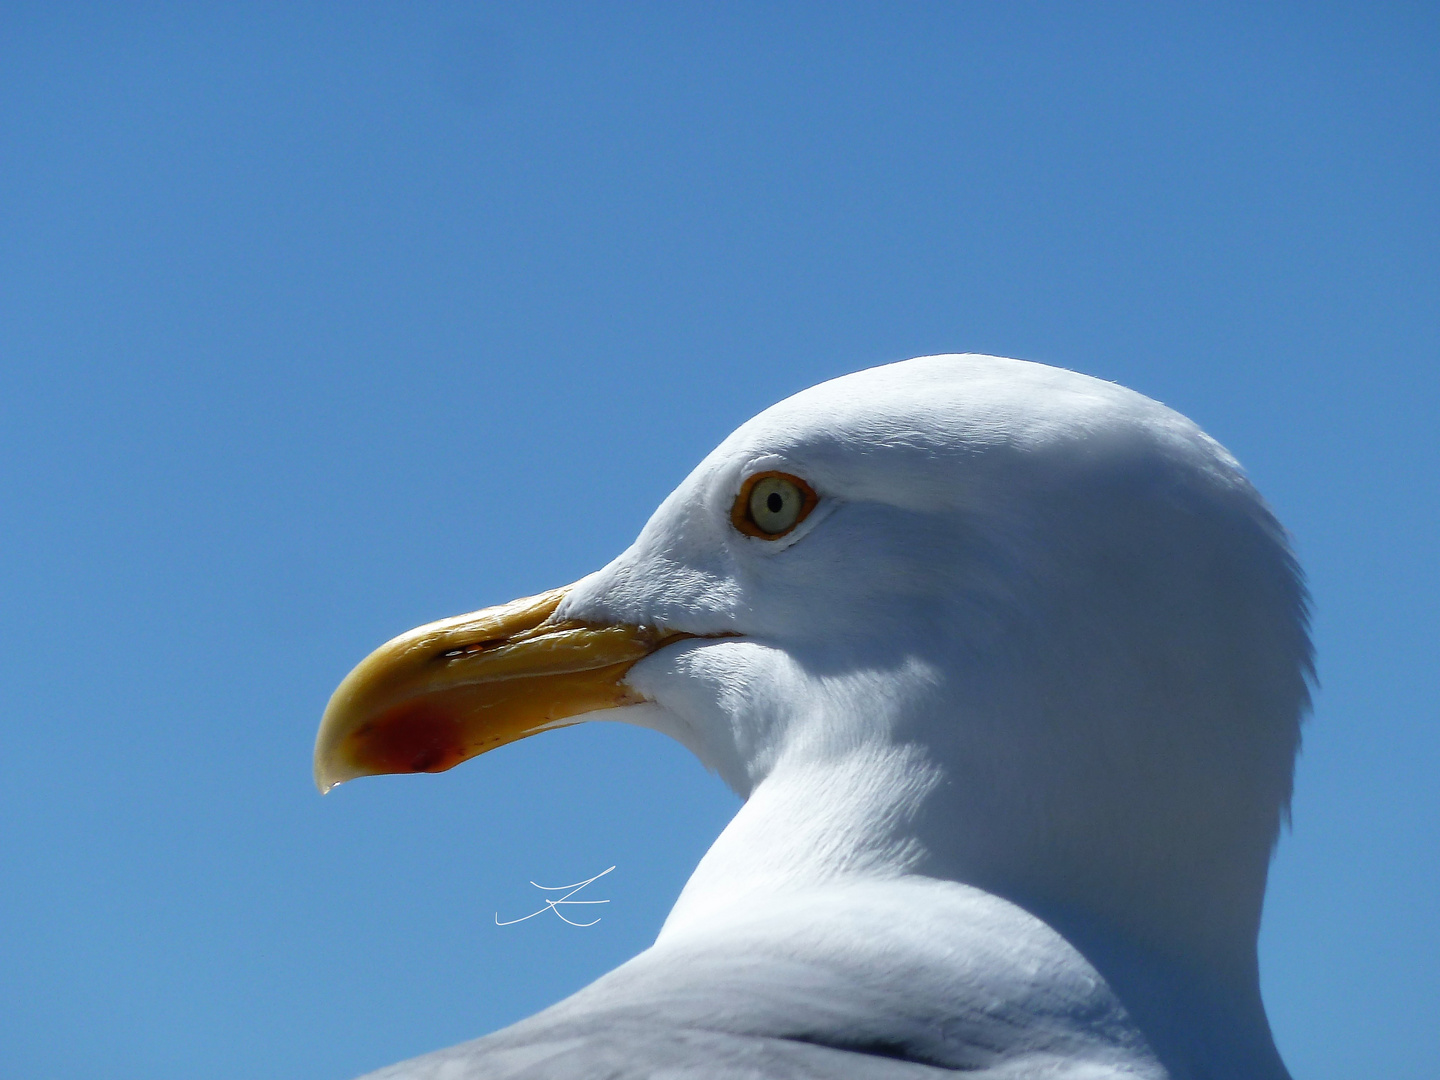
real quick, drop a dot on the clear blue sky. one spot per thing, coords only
(317, 322)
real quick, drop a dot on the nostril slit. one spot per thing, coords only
(472, 648)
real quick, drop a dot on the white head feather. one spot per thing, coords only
(1040, 636)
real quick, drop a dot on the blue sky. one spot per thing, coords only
(318, 322)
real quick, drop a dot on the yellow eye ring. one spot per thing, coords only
(770, 504)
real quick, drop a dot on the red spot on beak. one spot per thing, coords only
(412, 737)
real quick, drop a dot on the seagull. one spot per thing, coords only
(1008, 666)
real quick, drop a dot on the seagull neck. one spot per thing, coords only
(887, 813)
(808, 824)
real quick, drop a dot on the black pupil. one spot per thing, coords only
(773, 502)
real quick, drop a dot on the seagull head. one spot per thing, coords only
(966, 617)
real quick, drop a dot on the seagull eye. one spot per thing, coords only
(770, 504)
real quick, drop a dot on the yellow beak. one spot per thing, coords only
(449, 690)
